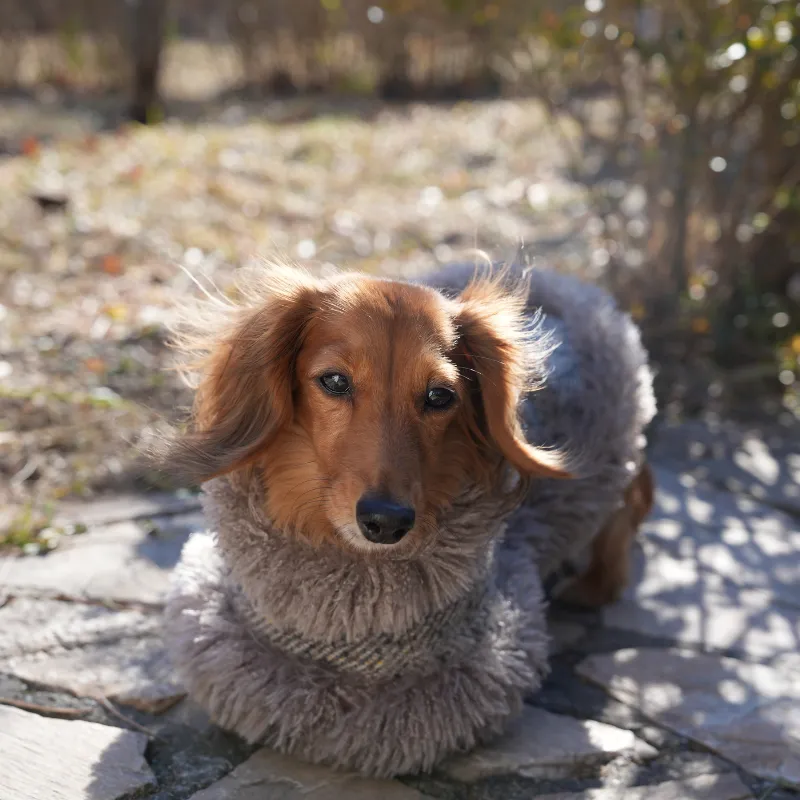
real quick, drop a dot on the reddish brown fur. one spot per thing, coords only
(259, 404)
(609, 571)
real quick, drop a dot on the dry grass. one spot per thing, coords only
(97, 221)
(86, 289)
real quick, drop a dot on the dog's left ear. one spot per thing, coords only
(491, 353)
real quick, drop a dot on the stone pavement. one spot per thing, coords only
(687, 689)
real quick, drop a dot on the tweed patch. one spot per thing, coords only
(385, 655)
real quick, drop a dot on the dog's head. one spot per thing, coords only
(367, 405)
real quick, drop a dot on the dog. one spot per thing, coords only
(393, 473)
(367, 405)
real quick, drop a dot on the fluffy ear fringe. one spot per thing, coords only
(505, 352)
(238, 356)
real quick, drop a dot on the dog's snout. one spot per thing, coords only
(383, 521)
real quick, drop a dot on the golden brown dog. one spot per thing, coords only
(369, 405)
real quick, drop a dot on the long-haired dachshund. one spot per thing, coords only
(366, 406)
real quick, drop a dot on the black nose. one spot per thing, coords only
(382, 521)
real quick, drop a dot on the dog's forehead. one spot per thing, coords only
(372, 310)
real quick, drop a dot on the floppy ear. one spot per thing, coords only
(245, 392)
(492, 353)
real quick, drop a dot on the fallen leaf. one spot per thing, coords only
(116, 311)
(31, 146)
(95, 365)
(112, 264)
(550, 19)
(637, 311)
(134, 174)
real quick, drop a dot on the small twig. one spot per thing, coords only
(30, 467)
(49, 711)
(689, 18)
(108, 706)
(750, 372)
(790, 182)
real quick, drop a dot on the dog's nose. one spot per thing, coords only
(382, 521)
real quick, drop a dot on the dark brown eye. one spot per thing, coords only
(334, 383)
(439, 397)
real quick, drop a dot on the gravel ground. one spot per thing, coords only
(104, 226)
(101, 230)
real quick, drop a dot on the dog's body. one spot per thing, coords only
(390, 495)
(592, 406)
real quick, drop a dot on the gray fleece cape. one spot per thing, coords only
(389, 666)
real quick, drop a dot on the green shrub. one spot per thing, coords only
(696, 171)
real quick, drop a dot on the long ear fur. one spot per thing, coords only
(498, 352)
(245, 364)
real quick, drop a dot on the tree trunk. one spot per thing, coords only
(148, 28)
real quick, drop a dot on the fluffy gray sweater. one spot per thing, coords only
(388, 666)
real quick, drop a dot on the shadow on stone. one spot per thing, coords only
(165, 538)
(745, 712)
(716, 571)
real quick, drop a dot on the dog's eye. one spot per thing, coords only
(334, 383)
(439, 397)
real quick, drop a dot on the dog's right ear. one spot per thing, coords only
(244, 396)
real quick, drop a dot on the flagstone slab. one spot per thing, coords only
(677, 600)
(704, 787)
(268, 774)
(544, 745)
(124, 507)
(714, 570)
(122, 562)
(762, 462)
(29, 625)
(133, 672)
(747, 713)
(51, 759)
(735, 539)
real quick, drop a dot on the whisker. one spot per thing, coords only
(220, 300)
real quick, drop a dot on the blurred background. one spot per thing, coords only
(650, 145)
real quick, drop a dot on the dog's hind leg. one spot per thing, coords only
(609, 568)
